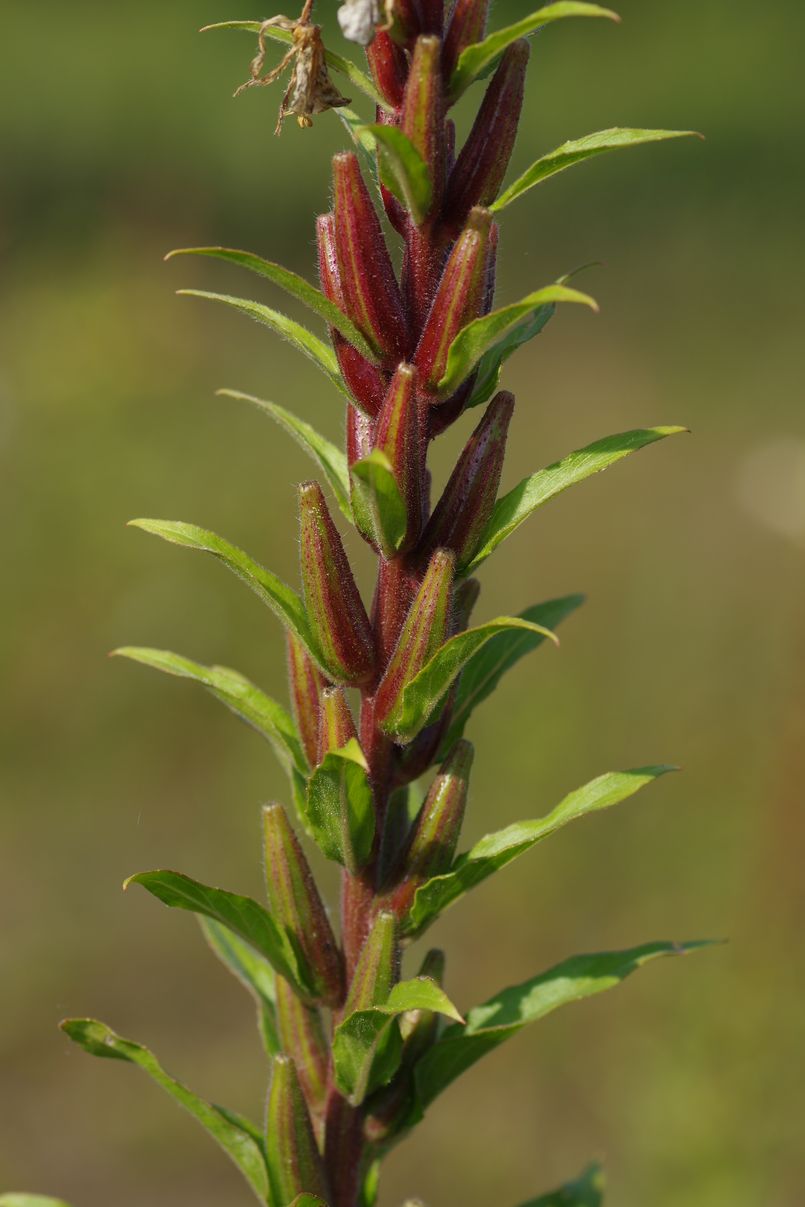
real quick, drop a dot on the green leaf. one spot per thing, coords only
(586, 1191)
(377, 504)
(293, 284)
(494, 851)
(340, 807)
(305, 341)
(367, 1045)
(356, 127)
(483, 335)
(579, 149)
(513, 508)
(239, 1138)
(253, 971)
(242, 698)
(479, 58)
(492, 362)
(30, 1200)
(508, 1012)
(272, 590)
(403, 171)
(334, 61)
(485, 669)
(371, 1186)
(242, 915)
(308, 1200)
(420, 698)
(330, 459)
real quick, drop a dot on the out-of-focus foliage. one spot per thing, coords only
(118, 141)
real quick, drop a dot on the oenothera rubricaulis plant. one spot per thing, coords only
(383, 693)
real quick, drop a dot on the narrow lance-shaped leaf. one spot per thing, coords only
(239, 1138)
(303, 340)
(492, 362)
(494, 851)
(420, 698)
(586, 1191)
(516, 506)
(480, 57)
(483, 334)
(579, 149)
(367, 1044)
(403, 171)
(240, 914)
(508, 1012)
(330, 459)
(272, 590)
(340, 807)
(378, 504)
(253, 971)
(485, 669)
(335, 62)
(292, 283)
(30, 1200)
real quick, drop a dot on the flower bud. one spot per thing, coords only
(296, 904)
(388, 67)
(423, 111)
(377, 968)
(400, 435)
(306, 683)
(294, 1164)
(467, 25)
(484, 158)
(336, 725)
(334, 606)
(432, 16)
(462, 513)
(302, 1036)
(371, 293)
(365, 381)
(458, 298)
(424, 630)
(360, 435)
(436, 830)
(464, 600)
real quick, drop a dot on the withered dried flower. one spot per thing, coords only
(360, 20)
(310, 89)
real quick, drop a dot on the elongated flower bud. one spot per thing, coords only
(484, 158)
(432, 16)
(458, 298)
(400, 435)
(295, 902)
(436, 830)
(377, 968)
(336, 725)
(462, 513)
(388, 67)
(294, 1164)
(334, 606)
(302, 1036)
(371, 293)
(422, 633)
(306, 683)
(423, 111)
(467, 25)
(365, 381)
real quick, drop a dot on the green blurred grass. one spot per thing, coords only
(119, 141)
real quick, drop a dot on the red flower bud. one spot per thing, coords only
(462, 513)
(458, 299)
(400, 435)
(336, 725)
(484, 158)
(467, 25)
(306, 683)
(432, 16)
(334, 606)
(424, 630)
(396, 212)
(301, 1032)
(388, 67)
(370, 288)
(365, 381)
(294, 1163)
(423, 110)
(295, 902)
(377, 968)
(436, 830)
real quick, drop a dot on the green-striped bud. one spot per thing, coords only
(306, 683)
(336, 726)
(377, 969)
(334, 605)
(302, 1036)
(295, 902)
(423, 110)
(294, 1164)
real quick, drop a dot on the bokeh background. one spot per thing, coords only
(119, 140)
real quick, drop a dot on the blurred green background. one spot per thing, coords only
(118, 141)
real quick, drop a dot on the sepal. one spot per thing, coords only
(294, 1163)
(302, 1036)
(423, 112)
(467, 25)
(306, 686)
